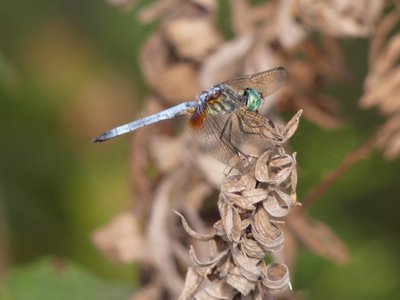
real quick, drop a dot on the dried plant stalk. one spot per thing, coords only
(251, 207)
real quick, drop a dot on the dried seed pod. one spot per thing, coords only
(265, 233)
(247, 266)
(230, 220)
(252, 248)
(273, 206)
(239, 201)
(236, 280)
(275, 278)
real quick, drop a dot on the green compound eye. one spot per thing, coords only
(253, 99)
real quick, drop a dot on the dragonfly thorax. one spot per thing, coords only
(211, 93)
(252, 99)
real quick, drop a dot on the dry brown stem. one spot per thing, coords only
(351, 159)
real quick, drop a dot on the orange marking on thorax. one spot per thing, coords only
(214, 98)
(196, 120)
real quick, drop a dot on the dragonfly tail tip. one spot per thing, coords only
(98, 139)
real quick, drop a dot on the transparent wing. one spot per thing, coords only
(253, 128)
(213, 139)
(222, 135)
(265, 82)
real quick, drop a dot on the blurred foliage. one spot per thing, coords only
(48, 279)
(63, 65)
(60, 62)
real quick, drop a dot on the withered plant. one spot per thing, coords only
(228, 241)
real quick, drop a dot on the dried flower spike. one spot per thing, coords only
(246, 232)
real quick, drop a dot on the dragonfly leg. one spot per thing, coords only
(257, 129)
(228, 124)
(226, 137)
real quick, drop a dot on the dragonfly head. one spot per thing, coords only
(252, 99)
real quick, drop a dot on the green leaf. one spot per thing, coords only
(56, 280)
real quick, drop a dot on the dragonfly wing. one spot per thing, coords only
(223, 134)
(213, 135)
(253, 128)
(265, 82)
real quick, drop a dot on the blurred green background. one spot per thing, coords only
(68, 70)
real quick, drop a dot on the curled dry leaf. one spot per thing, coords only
(275, 277)
(380, 35)
(280, 162)
(241, 15)
(192, 38)
(274, 208)
(388, 87)
(219, 228)
(167, 152)
(265, 233)
(275, 169)
(255, 195)
(178, 82)
(230, 220)
(383, 78)
(163, 76)
(224, 62)
(154, 58)
(261, 57)
(247, 266)
(212, 169)
(382, 85)
(194, 277)
(321, 110)
(239, 183)
(251, 248)
(191, 232)
(292, 125)
(238, 200)
(262, 170)
(343, 18)
(159, 235)
(121, 240)
(236, 280)
(216, 290)
(288, 30)
(318, 237)
(303, 76)
(311, 67)
(210, 263)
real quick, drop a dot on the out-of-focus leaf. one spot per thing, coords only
(56, 280)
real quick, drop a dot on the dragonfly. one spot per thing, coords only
(223, 117)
